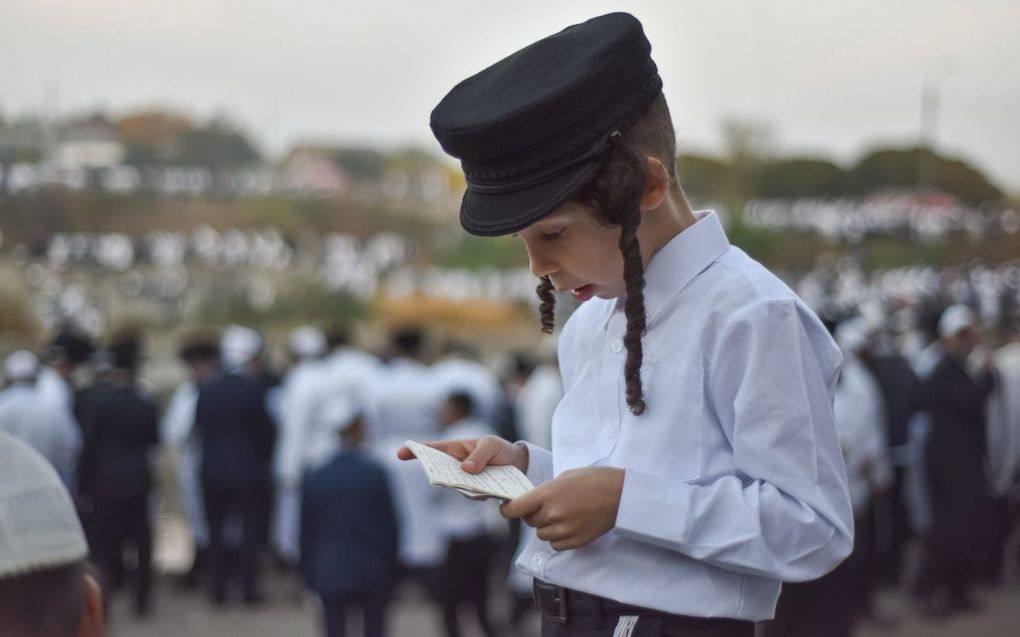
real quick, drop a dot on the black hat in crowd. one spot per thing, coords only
(71, 345)
(126, 352)
(534, 128)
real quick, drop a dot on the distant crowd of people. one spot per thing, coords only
(302, 469)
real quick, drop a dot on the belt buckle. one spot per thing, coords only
(559, 598)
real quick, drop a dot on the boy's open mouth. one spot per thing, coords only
(583, 293)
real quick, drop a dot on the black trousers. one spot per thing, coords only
(465, 580)
(568, 613)
(119, 522)
(373, 612)
(220, 505)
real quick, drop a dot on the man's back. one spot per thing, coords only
(121, 427)
(348, 526)
(236, 431)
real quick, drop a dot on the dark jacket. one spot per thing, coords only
(348, 527)
(955, 458)
(236, 431)
(120, 428)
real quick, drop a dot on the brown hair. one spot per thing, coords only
(614, 196)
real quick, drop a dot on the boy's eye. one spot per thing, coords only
(552, 236)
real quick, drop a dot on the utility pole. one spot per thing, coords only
(928, 161)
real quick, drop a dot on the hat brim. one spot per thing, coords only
(493, 215)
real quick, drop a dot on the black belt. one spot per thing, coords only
(560, 604)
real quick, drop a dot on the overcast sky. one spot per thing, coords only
(830, 77)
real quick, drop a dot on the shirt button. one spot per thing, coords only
(617, 346)
(610, 430)
(536, 560)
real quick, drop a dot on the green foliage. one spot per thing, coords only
(362, 163)
(894, 168)
(475, 253)
(800, 177)
(299, 301)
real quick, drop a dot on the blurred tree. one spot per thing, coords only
(800, 177)
(362, 163)
(898, 168)
(219, 144)
(151, 137)
(703, 178)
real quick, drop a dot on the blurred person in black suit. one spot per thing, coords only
(237, 436)
(120, 427)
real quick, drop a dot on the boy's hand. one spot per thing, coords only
(572, 510)
(477, 453)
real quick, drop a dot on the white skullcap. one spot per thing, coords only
(307, 342)
(955, 318)
(39, 528)
(21, 365)
(239, 345)
(853, 334)
(338, 413)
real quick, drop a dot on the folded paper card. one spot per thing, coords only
(503, 482)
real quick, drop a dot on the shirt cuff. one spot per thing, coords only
(540, 466)
(643, 513)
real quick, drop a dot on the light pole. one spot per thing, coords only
(927, 160)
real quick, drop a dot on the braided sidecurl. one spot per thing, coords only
(547, 308)
(614, 197)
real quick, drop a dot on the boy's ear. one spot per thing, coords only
(656, 184)
(91, 624)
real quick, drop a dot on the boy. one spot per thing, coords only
(349, 531)
(681, 492)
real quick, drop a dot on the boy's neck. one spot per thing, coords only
(660, 225)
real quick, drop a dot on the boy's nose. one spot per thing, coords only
(540, 265)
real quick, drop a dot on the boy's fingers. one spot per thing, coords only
(479, 458)
(522, 506)
(405, 454)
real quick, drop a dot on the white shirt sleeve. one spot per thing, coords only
(785, 511)
(540, 463)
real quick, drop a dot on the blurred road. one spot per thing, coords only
(290, 613)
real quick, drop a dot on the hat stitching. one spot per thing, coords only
(534, 213)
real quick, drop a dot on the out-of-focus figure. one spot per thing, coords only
(298, 396)
(202, 360)
(45, 586)
(349, 530)
(405, 405)
(121, 430)
(68, 350)
(955, 468)
(808, 609)
(237, 437)
(1004, 447)
(43, 424)
(469, 546)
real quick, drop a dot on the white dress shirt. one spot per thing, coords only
(44, 422)
(734, 480)
(536, 403)
(1004, 421)
(860, 417)
(177, 430)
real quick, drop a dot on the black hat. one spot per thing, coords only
(534, 128)
(127, 353)
(71, 345)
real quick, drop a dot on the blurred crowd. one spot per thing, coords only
(300, 470)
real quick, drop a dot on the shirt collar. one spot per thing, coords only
(678, 262)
